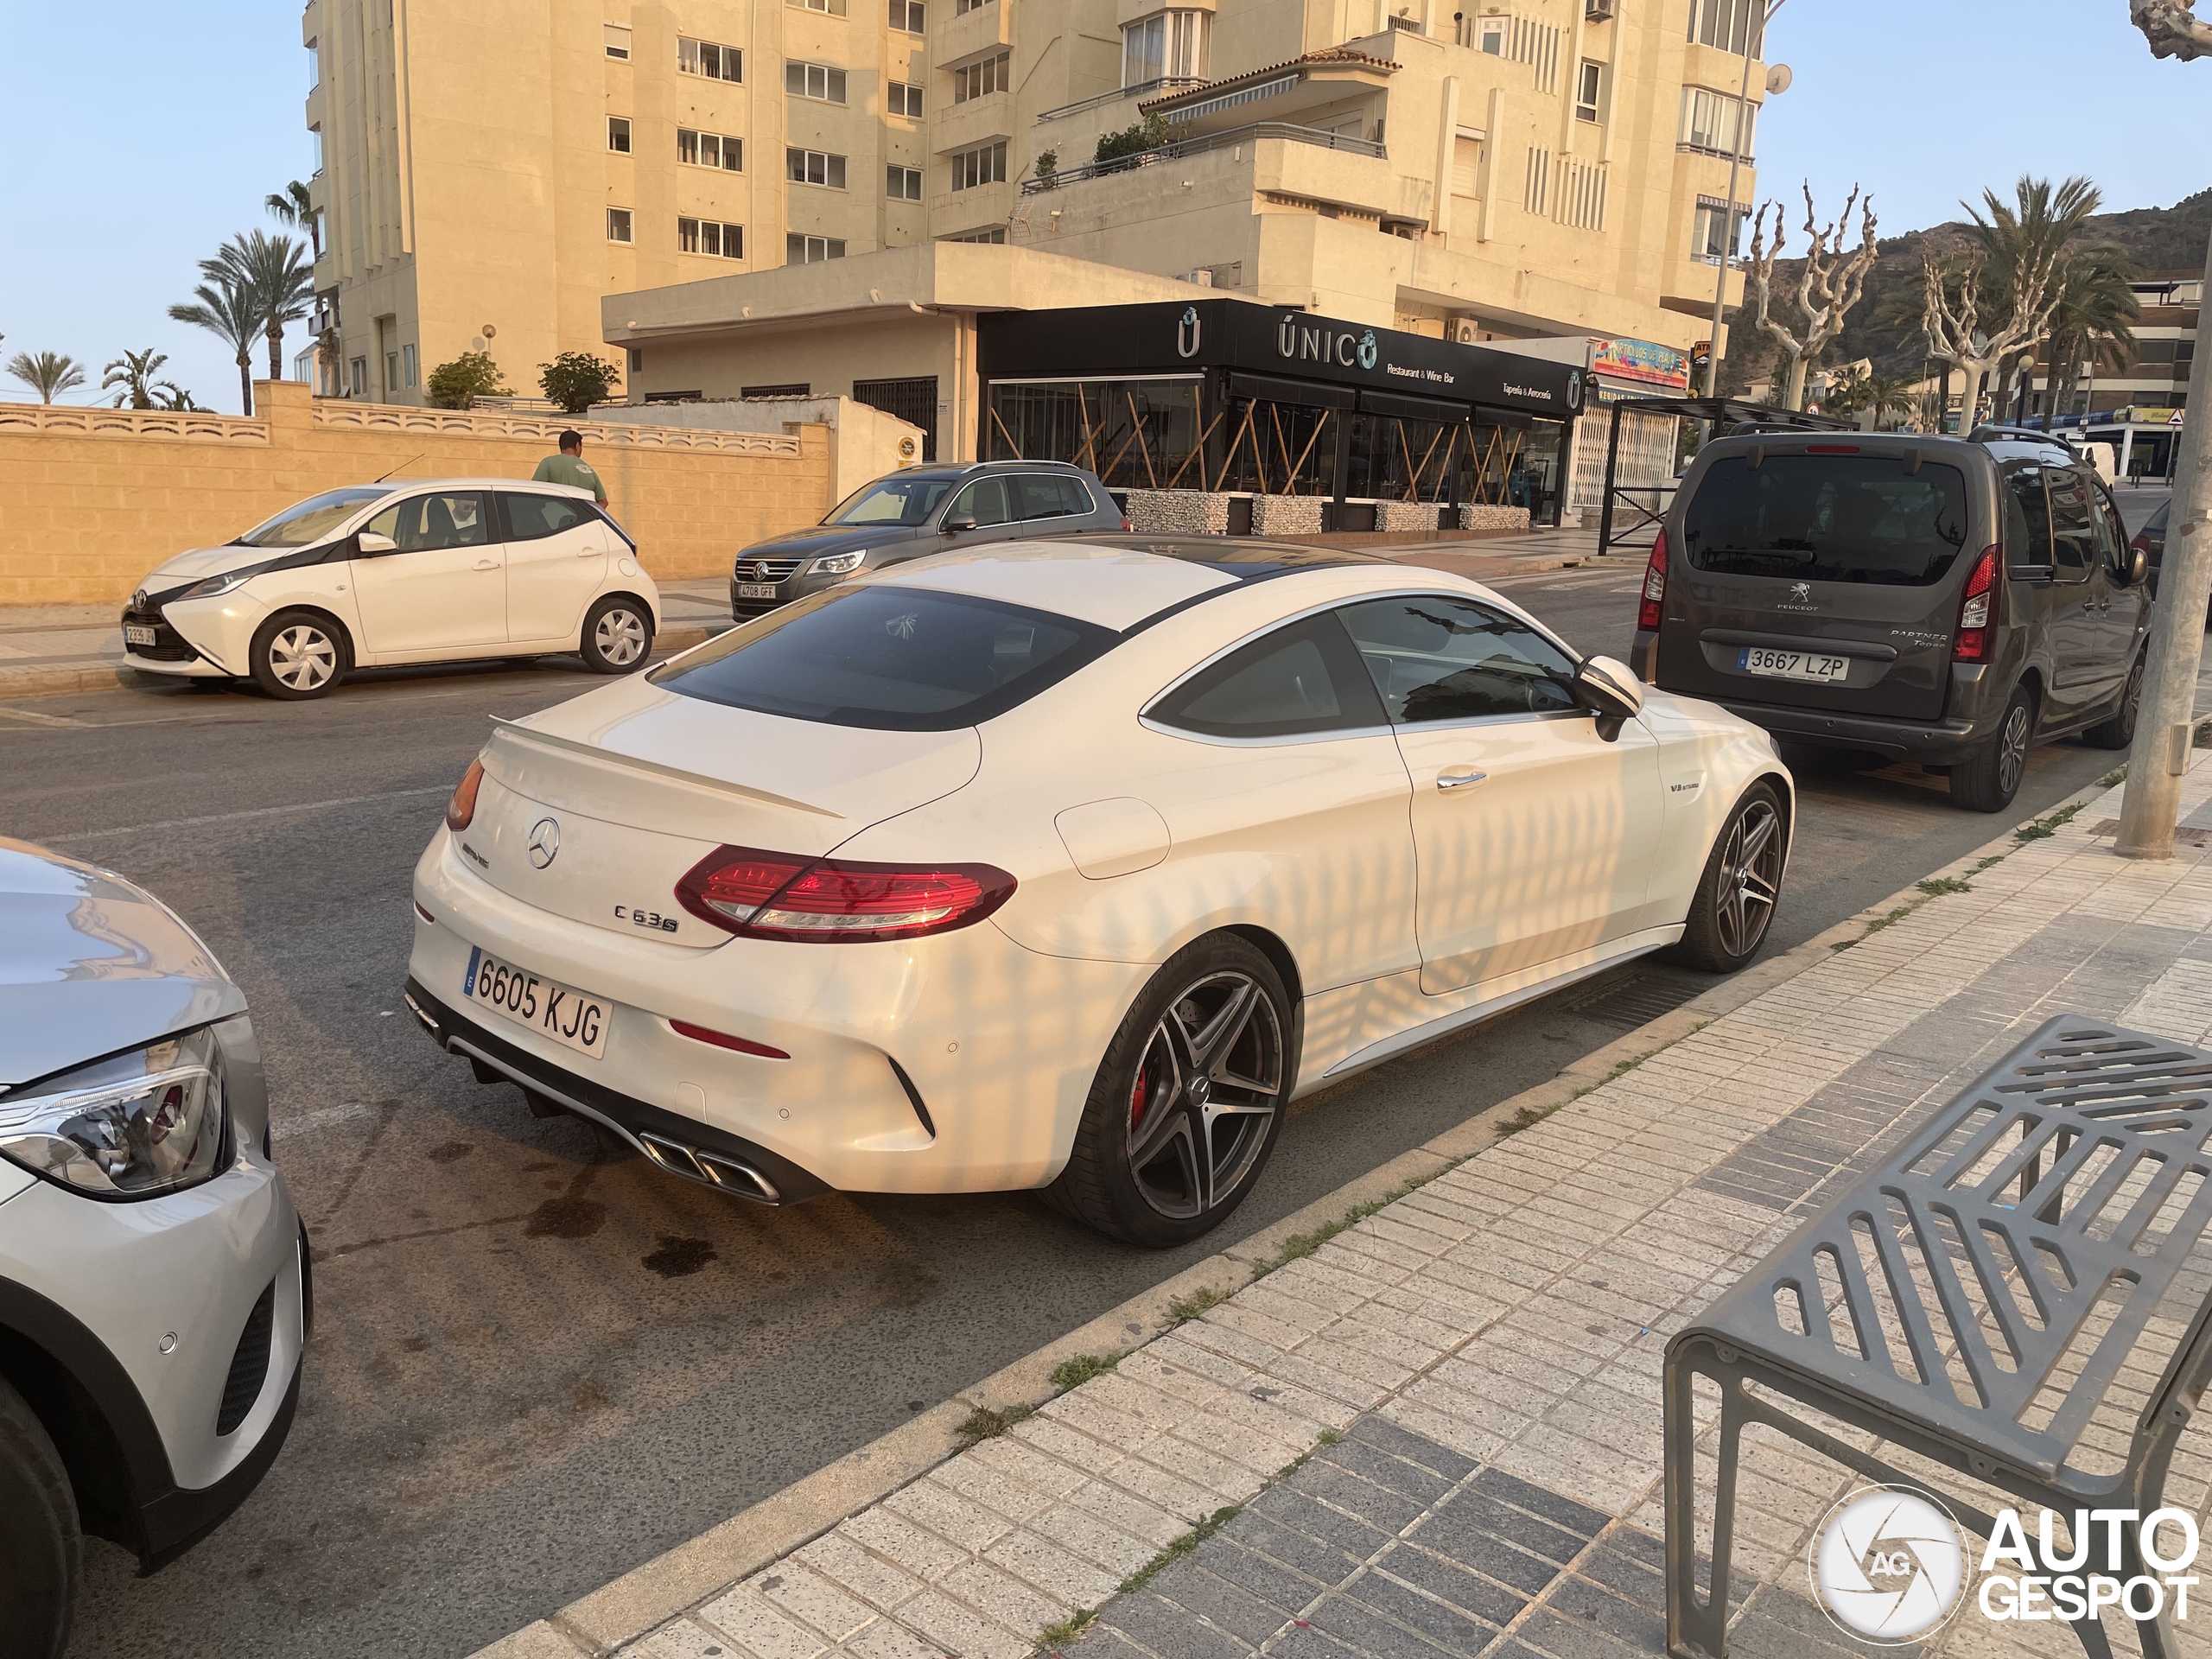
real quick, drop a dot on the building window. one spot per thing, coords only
(360, 375)
(407, 366)
(314, 65)
(1710, 120)
(985, 164)
(906, 16)
(903, 183)
(789, 389)
(976, 80)
(995, 237)
(391, 372)
(834, 8)
(813, 166)
(810, 250)
(1589, 89)
(962, 7)
(900, 99)
(709, 149)
(705, 58)
(618, 224)
(815, 80)
(314, 135)
(617, 42)
(1709, 234)
(1166, 44)
(636, 359)
(1732, 25)
(617, 134)
(1489, 34)
(710, 237)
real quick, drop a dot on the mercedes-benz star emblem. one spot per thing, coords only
(544, 842)
(1200, 1089)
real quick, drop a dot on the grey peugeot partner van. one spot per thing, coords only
(1948, 601)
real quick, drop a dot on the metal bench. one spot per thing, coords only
(2023, 1240)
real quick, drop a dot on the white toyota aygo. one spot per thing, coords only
(422, 571)
(1069, 866)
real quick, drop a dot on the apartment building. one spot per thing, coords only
(527, 176)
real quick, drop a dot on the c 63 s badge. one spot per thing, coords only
(646, 919)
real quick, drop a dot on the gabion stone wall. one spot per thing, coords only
(1179, 513)
(1287, 515)
(1403, 516)
(1472, 517)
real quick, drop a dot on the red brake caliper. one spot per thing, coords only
(1140, 1098)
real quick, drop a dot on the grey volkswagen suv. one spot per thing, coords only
(1945, 600)
(154, 1291)
(920, 510)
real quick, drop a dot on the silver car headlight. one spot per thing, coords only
(131, 1126)
(214, 585)
(838, 564)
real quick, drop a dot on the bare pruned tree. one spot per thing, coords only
(2172, 28)
(1958, 333)
(1828, 285)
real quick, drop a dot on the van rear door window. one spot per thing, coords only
(1827, 518)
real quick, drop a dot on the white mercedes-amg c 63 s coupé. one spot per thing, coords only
(1069, 866)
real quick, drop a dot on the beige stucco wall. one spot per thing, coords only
(91, 499)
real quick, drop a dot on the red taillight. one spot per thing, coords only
(1126, 525)
(723, 1039)
(1831, 448)
(828, 901)
(424, 914)
(1977, 610)
(462, 807)
(2141, 544)
(1654, 586)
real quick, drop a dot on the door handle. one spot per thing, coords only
(487, 565)
(2089, 604)
(1461, 779)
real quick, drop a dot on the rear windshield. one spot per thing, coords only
(891, 658)
(1827, 518)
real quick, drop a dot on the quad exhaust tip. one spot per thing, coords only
(714, 1168)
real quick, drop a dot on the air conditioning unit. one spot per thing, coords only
(1202, 276)
(1466, 331)
(1597, 11)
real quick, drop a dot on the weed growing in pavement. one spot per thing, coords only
(2118, 774)
(1182, 1547)
(1184, 1309)
(1052, 1637)
(2044, 827)
(1991, 862)
(1074, 1373)
(984, 1424)
(2204, 735)
(1937, 886)
(1329, 1437)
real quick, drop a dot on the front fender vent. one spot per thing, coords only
(249, 1365)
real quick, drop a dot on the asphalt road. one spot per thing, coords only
(536, 1367)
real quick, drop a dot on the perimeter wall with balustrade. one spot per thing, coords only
(91, 499)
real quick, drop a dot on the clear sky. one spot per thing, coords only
(145, 132)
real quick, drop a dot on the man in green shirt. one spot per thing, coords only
(570, 467)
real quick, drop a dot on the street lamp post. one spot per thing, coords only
(1728, 210)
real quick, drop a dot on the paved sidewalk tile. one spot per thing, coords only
(1443, 1426)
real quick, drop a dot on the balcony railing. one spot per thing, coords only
(1162, 88)
(1234, 135)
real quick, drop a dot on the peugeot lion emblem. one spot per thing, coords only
(544, 842)
(1801, 592)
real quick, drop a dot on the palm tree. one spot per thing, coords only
(2092, 325)
(49, 374)
(2038, 225)
(276, 271)
(234, 316)
(131, 378)
(290, 206)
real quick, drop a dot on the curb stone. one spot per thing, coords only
(649, 1595)
(55, 682)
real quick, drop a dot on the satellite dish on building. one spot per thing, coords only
(1778, 79)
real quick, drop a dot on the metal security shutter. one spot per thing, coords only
(914, 400)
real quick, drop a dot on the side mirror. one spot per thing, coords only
(2138, 566)
(1609, 690)
(955, 523)
(371, 543)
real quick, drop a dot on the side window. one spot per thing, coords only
(2073, 531)
(532, 517)
(423, 523)
(1435, 657)
(1075, 496)
(2027, 518)
(1040, 496)
(2111, 537)
(1302, 678)
(984, 501)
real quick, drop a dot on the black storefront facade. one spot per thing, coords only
(1227, 398)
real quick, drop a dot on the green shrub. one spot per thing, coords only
(459, 384)
(575, 380)
(1149, 134)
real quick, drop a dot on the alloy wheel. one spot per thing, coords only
(1750, 879)
(1206, 1091)
(2133, 701)
(302, 658)
(620, 637)
(2013, 750)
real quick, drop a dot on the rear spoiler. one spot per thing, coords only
(509, 731)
